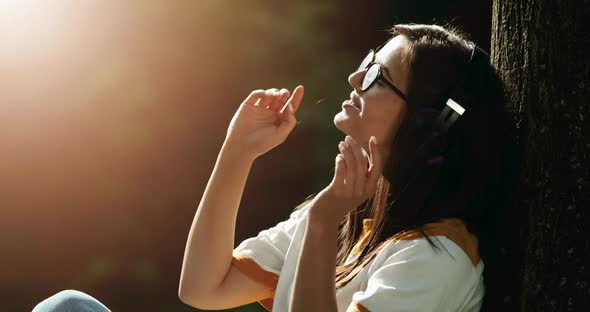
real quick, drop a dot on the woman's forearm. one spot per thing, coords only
(314, 288)
(208, 251)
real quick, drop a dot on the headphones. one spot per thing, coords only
(431, 151)
(453, 109)
(441, 121)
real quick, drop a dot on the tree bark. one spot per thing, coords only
(542, 50)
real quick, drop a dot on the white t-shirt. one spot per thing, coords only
(406, 275)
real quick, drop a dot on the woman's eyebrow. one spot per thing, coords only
(386, 71)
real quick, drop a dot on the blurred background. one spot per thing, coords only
(112, 114)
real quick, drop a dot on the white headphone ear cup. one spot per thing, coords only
(449, 114)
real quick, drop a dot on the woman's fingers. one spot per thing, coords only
(274, 95)
(283, 97)
(351, 165)
(376, 167)
(361, 166)
(253, 97)
(297, 97)
(294, 100)
(279, 98)
(287, 120)
(274, 99)
(269, 96)
(352, 179)
(340, 171)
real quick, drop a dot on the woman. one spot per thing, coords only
(405, 222)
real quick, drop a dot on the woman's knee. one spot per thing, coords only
(70, 301)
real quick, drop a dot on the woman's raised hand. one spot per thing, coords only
(263, 121)
(355, 180)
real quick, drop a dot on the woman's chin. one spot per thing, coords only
(341, 118)
(339, 122)
(342, 124)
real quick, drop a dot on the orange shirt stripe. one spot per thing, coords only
(247, 266)
(356, 307)
(452, 228)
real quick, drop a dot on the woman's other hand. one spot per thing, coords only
(263, 121)
(355, 180)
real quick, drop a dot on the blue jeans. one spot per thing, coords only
(70, 301)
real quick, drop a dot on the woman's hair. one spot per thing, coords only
(432, 174)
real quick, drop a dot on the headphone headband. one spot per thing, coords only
(453, 109)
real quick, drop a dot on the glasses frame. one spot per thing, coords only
(379, 76)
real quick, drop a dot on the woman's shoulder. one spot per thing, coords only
(450, 235)
(415, 263)
(447, 239)
(448, 247)
(443, 273)
(440, 251)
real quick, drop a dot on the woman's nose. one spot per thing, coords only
(355, 79)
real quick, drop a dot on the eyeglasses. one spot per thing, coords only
(374, 73)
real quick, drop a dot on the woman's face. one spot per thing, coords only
(380, 110)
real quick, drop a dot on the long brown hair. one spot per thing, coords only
(459, 173)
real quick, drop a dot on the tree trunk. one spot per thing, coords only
(542, 50)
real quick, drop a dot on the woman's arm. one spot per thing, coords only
(315, 275)
(263, 121)
(208, 253)
(353, 184)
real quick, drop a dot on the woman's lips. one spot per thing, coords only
(349, 104)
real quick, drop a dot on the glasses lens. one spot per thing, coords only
(370, 76)
(368, 59)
